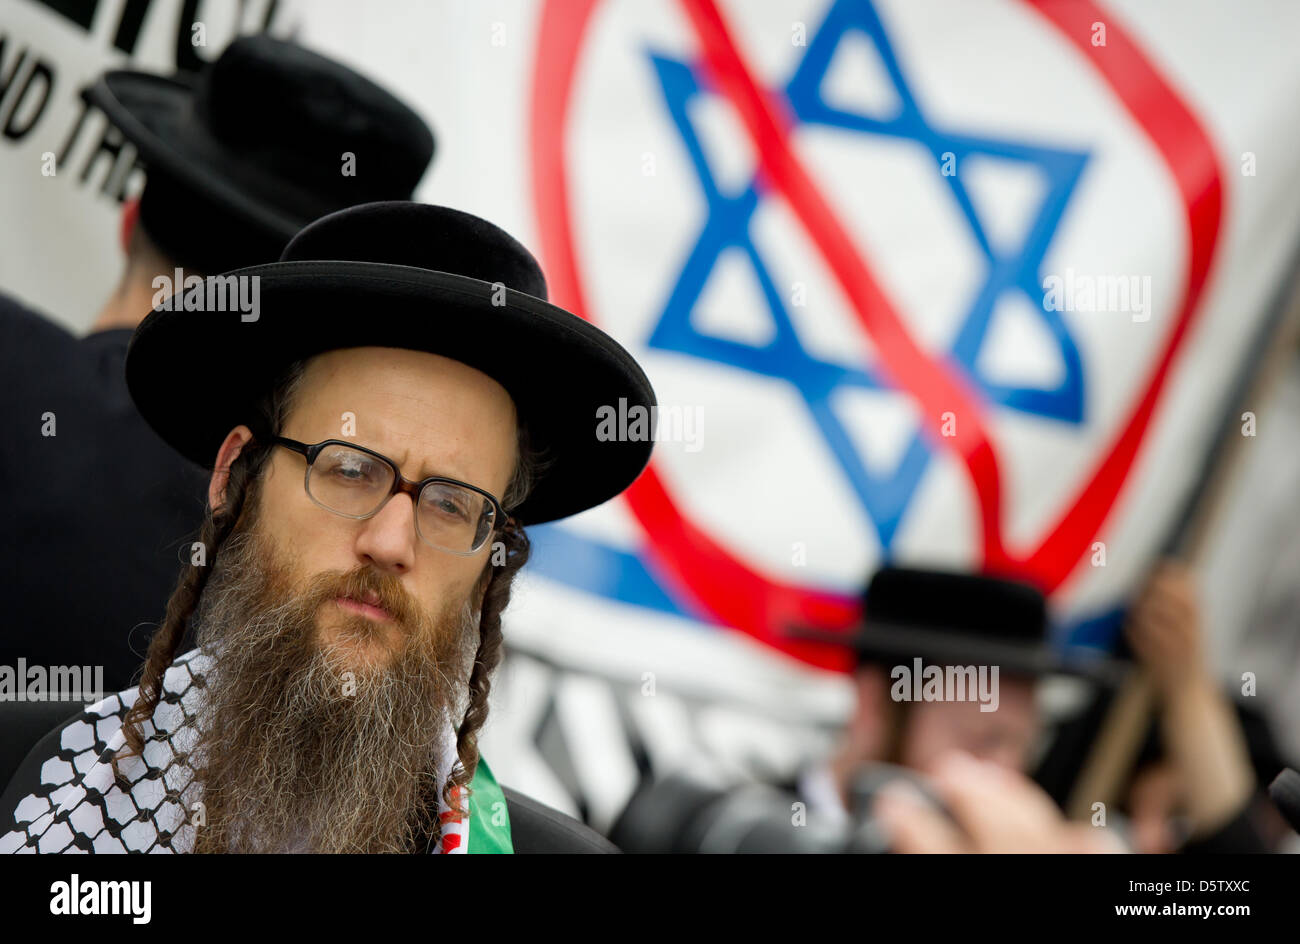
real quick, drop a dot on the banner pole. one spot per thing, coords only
(1114, 751)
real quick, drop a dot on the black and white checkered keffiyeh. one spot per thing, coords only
(82, 807)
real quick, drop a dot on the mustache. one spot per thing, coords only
(366, 585)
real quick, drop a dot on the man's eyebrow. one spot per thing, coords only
(428, 470)
(428, 473)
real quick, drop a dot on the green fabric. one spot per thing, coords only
(489, 820)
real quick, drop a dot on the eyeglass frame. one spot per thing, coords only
(401, 484)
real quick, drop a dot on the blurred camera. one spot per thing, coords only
(686, 813)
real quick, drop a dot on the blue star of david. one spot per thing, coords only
(884, 497)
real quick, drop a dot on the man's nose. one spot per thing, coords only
(387, 540)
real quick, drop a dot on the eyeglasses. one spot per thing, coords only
(357, 482)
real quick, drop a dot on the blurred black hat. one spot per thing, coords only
(249, 151)
(948, 618)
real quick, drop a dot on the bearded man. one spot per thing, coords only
(405, 404)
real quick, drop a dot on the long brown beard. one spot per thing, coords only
(297, 748)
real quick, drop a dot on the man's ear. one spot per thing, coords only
(230, 449)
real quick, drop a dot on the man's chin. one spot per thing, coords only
(356, 642)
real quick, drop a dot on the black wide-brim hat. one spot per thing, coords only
(257, 141)
(948, 618)
(403, 275)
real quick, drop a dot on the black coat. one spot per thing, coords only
(95, 521)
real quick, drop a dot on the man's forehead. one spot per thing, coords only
(415, 406)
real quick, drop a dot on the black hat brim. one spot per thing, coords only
(195, 375)
(156, 114)
(881, 643)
